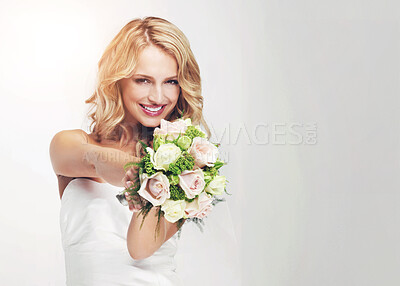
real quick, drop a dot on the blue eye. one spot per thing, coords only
(173, 82)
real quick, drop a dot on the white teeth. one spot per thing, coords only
(152, 109)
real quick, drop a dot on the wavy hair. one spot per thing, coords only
(119, 61)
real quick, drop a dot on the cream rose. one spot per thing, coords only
(200, 207)
(173, 210)
(165, 155)
(171, 129)
(192, 182)
(155, 188)
(204, 152)
(188, 121)
(217, 185)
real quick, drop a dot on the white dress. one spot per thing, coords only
(93, 231)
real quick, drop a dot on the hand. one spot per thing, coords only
(135, 202)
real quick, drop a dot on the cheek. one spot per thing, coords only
(132, 95)
(174, 96)
(172, 92)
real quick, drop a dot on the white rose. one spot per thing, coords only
(173, 210)
(165, 155)
(217, 185)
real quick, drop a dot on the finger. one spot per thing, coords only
(135, 201)
(128, 198)
(136, 197)
(131, 174)
(126, 177)
(128, 185)
(131, 206)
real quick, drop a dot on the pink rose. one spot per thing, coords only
(192, 182)
(204, 152)
(172, 129)
(155, 188)
(200, 207)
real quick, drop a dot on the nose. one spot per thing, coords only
(156, 95)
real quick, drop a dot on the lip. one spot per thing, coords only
(152, 113)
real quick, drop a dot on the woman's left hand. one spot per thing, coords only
(135, 202)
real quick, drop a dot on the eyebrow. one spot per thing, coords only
(138, 74)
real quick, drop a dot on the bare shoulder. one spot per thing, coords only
(70, 135)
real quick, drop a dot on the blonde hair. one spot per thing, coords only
(119, 61)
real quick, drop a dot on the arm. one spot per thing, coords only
(142, 243)
(74, 155)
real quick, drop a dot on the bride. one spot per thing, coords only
(147, 73)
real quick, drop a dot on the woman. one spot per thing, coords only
(147, 73)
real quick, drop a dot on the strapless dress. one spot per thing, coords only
(93, 232)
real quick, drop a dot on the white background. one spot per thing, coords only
(305, 213)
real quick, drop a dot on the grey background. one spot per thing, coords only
(306, 210)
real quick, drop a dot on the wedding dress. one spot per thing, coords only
(93, 231)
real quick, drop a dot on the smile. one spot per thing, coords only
(152, 110)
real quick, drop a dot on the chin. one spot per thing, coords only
(151, 123)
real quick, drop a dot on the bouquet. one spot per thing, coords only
(180, 174)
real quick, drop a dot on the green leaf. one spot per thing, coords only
(218, 164)
(227, 192)
(183, 112)
(130, 164)
(143, 145)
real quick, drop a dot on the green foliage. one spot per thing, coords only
(193, 132)
(144, 145)
(218, 164)
(173, 179)
(217, 200)
(227, 192)
(190, 200)
(209, 174)
(179, 225)
(181, 115)
(198, 221)
(176, 193)
(144, 211)
(148, 167)
(184, 162)
(131, 164)
(159, 214)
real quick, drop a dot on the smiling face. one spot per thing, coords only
(153, 90)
